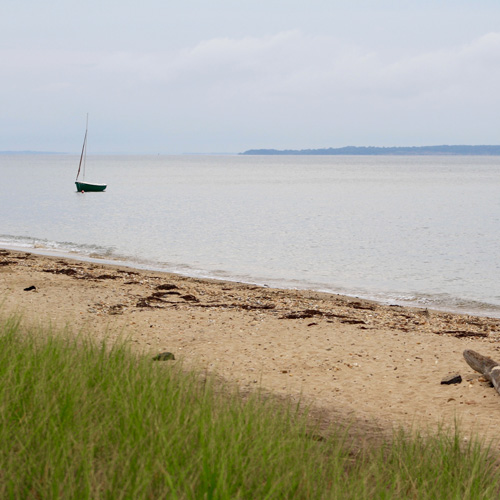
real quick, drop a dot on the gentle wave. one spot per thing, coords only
(59, 248)
(108, 255)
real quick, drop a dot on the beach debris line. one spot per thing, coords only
(489, 368)
(311, 313)
(166, 286)
(146, 302)
(7, 262)
(462, 333)
(143, 291)
(189, 297)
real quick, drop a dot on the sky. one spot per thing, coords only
(224, 76)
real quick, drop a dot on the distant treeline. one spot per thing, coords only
(372, 150)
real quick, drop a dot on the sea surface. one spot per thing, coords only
(421, 231)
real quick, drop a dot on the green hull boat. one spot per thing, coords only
(82, 186)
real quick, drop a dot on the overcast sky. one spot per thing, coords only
(208, 76)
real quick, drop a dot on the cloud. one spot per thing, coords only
(294, 65)
(288, 63)
(282, 82)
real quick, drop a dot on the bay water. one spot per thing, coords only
(420, 230)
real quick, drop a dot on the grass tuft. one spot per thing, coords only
(83, 420)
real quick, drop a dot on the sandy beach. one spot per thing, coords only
(346, 357)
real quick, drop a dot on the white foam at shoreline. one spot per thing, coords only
(443, 303)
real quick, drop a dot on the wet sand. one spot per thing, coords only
(346, 357)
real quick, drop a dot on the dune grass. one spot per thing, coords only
(81, 420)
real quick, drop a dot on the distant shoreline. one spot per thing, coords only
(32, 153)
(381, 151)
(444, 150)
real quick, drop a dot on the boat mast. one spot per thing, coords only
(83, 156)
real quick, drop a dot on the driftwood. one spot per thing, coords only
(482, 364)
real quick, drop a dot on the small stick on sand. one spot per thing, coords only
(482, 364)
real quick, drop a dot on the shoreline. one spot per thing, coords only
(282, 284)
(346, 356)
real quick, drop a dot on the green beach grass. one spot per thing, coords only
(82, 420)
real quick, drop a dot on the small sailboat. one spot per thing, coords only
(82, 186)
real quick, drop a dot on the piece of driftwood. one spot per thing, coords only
(482, 364)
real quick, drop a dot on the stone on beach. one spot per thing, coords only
(164, 356)
(454, 378)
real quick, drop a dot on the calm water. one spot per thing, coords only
(423, 230)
